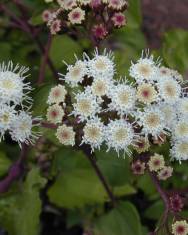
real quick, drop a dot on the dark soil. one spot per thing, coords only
(162, 15)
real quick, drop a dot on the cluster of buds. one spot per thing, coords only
(155, 164)
(118, 114)
(99, 17)
(15, 117)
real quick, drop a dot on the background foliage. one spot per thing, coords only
(61, 194)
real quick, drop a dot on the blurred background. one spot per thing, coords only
(60, 193)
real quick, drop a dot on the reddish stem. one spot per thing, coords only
(15, 171)
(44, 61)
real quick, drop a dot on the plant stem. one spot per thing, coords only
(164, 197)
(15, 171)
(87, 150)
(44, 61)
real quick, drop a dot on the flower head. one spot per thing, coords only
(21, 128)
(119, 19)
(12, 86)
(165, 173)
(156, 162)
(57, 95)
(86, 105)
(93, 133)
(123, 98)
(76, 16)
(138, 167)
(55, 114)
(65, 135)
(120, 135)
(180, 228)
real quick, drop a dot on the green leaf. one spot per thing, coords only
(123, 220)
(134, 14)
(155, 210)
(63, 49)
(4, 163)
(40, 100)
(116, 170)
(175, 49)
(20, 212)
(124, 190)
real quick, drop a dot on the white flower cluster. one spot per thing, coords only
(15, 117)
(152, 104)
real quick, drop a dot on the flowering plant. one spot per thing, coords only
(95, 140)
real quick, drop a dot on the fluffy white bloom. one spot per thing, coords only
(179, 150)
(180, 129)
(86, 105)
(123, 98)
(57, 95)
(182, 107)
(7, 115)
(152, 121)
(119, 136)
(55, 114)
(21, 128)
(101, 66)
(65, 135)
(93, 133)
(144, 70)
(12, 86)
(101, 86)
(169, 113)
(76, 73)
(169, 90)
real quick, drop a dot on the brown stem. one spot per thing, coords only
(87, 150)
(15, 171)
(44, 61)
(164, 197)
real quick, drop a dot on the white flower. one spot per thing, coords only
(55, 114)
(66, 135)
(76, 73)
(86, 105)
(144, 70)
(120, 135)
(21, 128)
(179, 150)
(169, 90)
(123, 98)
(146, 93)
(101, 65)
(57, 95)
(7, 114)
(180, 129)
(152, 121)
(182, 107)
(93, 133)
(101, 86)
(12, 86)
(169, 113)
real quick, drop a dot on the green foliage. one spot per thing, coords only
(175, 49)
(4, 163)
(20, 210)
(123, 220)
